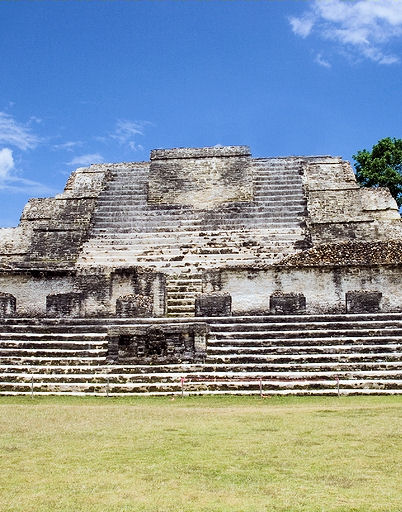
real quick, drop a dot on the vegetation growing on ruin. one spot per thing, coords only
(382, 167)
(215, 454)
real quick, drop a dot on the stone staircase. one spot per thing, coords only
(359, 354)
(181, 292)
(127, 230)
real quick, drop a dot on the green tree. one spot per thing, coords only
(382, 167)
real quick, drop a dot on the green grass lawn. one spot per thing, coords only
(200, 454)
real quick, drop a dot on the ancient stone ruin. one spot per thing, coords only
(208, 271)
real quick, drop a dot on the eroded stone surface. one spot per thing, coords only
(171, 343)
(147, 238)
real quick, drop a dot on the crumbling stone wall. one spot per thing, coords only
(64, 305)
(339, 210)
(87, 292)
(31, 287)
(353, 235)
(158, 344)
(324, 288)
(134, 306)
(7, 305)
(135, 282)
(200, 177)
(52, 230)
(213, 304)
(363, 302)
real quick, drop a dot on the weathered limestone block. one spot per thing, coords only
(64, 304)
(56, 227)
(131, 306)
(349, 253)
(380, 203)
(336, 206)
(86, 182)
(200, 177)
(287, 303)
(213, 304)
(14, 243)
(158, 343)
(339, 209)
(360, 301)
(133, 281)
(8, 305)
(326, 173)
(145, 238)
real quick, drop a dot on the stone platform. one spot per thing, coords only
(302, 354)
(204, 270)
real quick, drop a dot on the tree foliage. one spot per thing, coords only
(382, 167)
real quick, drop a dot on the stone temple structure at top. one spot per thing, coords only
(149, 251)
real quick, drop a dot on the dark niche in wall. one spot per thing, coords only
(359, 301)
(8, 305)
(158, 343)
(287, 303)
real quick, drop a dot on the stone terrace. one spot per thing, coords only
(301, 354)
(126, 282)
(175, 237)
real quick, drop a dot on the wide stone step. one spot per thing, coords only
(184, 292)
(180, 308)
(256, 212)
(45, 328)
(175, 250)
(52, 345)
(361, 348)
(305, 358)
(108, 257)
(146, 214)
(320, 392)
(56, 360)
(227, 218)
(272, 344)
(274, 319)
(177, 314)
(277, 233)
(61, 337)
(271, 184)
(132, 228)
(346, 387)
(157, 230)
(334, 366)
(366, 370)
(55, 353)
(143, 243)
(115, 378)
(366, 319)
(152, 224)
(196, 252)
(182, 303)
(278, 194)
(326, 334)
(303, 323)
(133, 205)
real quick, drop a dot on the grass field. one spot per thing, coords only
(200, 454)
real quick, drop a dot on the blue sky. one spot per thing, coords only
(107, 81)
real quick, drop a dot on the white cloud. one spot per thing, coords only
(11, 182)
(16, 134)
(15, 184)
(88, 159)
(319, 59)
(69, 146)
(126, 132)
(362, 27)
(302, 26)
(6, 163)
